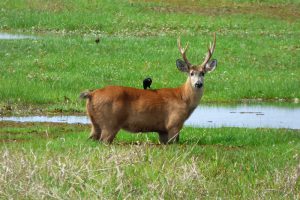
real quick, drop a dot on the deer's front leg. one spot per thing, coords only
(163, 137)
(177, 138)
(174, 126)
(173, 135)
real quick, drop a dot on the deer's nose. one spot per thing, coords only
(198, 85)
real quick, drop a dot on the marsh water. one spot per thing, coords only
(8, 36)
(248, 116)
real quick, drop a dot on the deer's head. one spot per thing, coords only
(196, 72)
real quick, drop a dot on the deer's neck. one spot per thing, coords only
(191, 96)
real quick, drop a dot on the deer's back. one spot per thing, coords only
(134, 109)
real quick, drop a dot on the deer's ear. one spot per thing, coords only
(182, 66)
(211, 65)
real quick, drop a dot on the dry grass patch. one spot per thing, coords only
(98, 173)
(289, 12)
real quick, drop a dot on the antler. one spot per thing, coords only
(210, 52)
(183, 51)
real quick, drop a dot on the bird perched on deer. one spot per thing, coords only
(136, 110)
(147, 83)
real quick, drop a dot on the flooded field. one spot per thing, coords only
(247, 116)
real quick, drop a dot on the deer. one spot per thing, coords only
(164, 110)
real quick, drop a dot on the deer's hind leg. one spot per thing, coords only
(109, 134)
(96, 130)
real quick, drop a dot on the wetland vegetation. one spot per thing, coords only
(258, 59)
(57, 161)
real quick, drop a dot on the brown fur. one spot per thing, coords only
(164, 111)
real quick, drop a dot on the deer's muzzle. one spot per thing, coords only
(198, 84)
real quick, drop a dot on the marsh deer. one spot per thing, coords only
(136, 110)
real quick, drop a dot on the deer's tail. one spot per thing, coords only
(86, 94)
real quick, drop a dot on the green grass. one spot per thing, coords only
(258, 58)
(57, 161)
(257, 49)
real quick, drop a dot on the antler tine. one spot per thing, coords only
(211, 49)
(183, 51)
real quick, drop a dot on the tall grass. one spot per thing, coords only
(57, 161)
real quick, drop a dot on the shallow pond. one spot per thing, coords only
(248, 116)
(8, 36)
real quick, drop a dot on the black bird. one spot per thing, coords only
(146, 83)
(97, 40)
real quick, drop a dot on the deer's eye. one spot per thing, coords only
(192, 73)
(202, 74)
